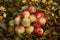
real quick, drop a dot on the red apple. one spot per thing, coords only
(32, 9)
(26, 13)
(39, 14)
(20, 29)
(36, 25)
(20, 14)
(42, 21)
(38, 31)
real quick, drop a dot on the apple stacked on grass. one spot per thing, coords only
(31, 22)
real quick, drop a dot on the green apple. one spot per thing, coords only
(11, 23)
(26, 22)
(30, 29)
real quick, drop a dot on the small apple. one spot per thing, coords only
(32, 9)
(30, 29)
(39, 14)
(32, 18)
(26, 13)
(38, 31)
(20, 29)
(26, 22)
(11, 23)
(42, 21)
(17, 20)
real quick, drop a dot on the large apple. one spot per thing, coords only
(26, 22)
(38, 31)
(32, 18)
(42, 21)
(17, 20)
(32, 9)
(20, 29)
(26, 13)
(30, 29)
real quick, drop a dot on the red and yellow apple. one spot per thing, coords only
(32, 18)
(20, 29)
(32, 9)
(26, 13)
(42, 21)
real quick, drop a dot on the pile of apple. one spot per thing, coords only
(30, 21)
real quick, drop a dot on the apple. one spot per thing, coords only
(26, 22)
(26, 13)
(32, 18)
(32, 9)
(20, 14)
(39, 14)
(20, 29)
(36, 25)
(17, 20)
(30, 29)
(38, 32)
(42, 21)
(11, 23)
